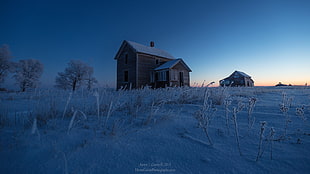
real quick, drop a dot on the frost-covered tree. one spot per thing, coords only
(90, 80)
(27, 73)
(5, 64)
(76, 74)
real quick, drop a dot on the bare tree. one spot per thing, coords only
(76, 74)
(5, 64)
(27, 73)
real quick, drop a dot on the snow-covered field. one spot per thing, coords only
(172, 130)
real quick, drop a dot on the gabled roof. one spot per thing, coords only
(237, 72)
(242, 74)
(171, 64)
(139, 48)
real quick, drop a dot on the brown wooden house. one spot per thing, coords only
(237, 78)
(139, 65)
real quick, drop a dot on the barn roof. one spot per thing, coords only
(236, 72)
(171, 64)
(144, 49)
(242, 74)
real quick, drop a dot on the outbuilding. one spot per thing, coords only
(237, 78)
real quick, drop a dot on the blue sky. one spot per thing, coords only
(269, 40)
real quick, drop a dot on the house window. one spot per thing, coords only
(125, 76)
(152, 77)
(126, 58)
(162, 76)
(157, 61)
(174, 75)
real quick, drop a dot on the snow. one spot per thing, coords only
(150, 50)
(243, 74)
(152, 131)
(168, 64)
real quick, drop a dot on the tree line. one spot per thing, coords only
(27, 73)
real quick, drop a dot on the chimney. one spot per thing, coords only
(152, 44)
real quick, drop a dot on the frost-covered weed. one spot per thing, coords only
(105, 98)
(135, 105)
(235, 112)
(285, 104)
(67, 103)
(96, 94)
(219, 95)
(24, 107)
(65, 160)
(227, 103)
(116, 125)
(75, 120)
(300, 112)
(271, 139)
(251, 119)
(35, 128)
(118, 113)
(154, 109)
(284, 108)
(108, 114)
(205, 115)
(45, 109)
(261, 137)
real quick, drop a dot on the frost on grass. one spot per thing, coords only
(118, 131)
(205, 115)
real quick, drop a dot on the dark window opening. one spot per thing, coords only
(156, 76)
(181, 78)
(157, 61)
(125, 76)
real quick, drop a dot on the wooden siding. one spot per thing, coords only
(146, 65)
(248, 81)
(130, 67)
(237, 80)
(174, 75)
(139, 70)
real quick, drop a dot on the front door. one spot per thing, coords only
(181, 78)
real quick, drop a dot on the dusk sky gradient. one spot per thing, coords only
(267, 39)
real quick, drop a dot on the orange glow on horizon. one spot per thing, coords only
(258, 83)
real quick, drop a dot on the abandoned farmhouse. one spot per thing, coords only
(139, 65)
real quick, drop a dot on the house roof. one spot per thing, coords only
(171, 64)
(149, 50)
(145, 49)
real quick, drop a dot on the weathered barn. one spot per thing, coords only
(237, 78)
(139, 65)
